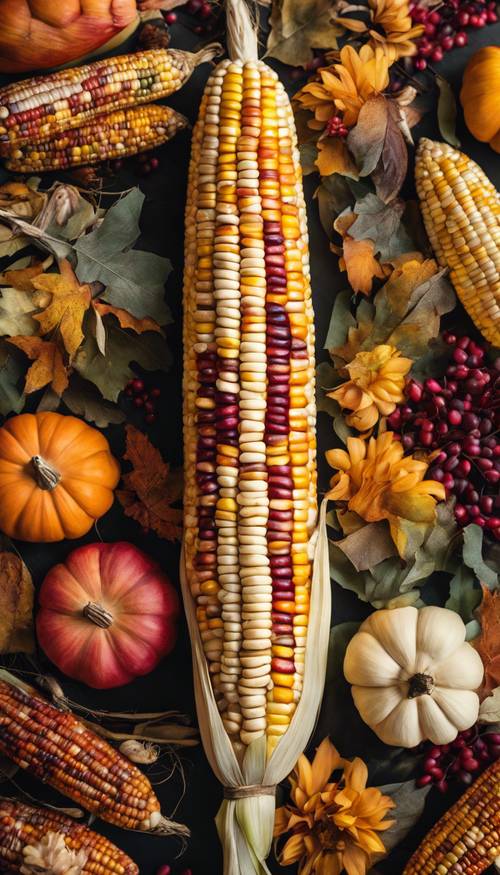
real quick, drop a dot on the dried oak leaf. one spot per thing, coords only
(487, 643)
(16, 605)
(298, 26)
(151, 488)
(64, 303)
(21, 200)
(48, 364)
(22, 278)
(126, 319)
(358, 257)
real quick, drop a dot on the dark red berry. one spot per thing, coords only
(423, 781)
(171, 17)
(150, 418)
(139, 401)
(138, 385)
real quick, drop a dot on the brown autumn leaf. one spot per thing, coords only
(48, 364)
(366, 139)
(487, 643)
(64, 302)
(390, 172)
(21, 200)
(298, 27)
(358, 256)
(150, 488)
(126, 319)
(334, 157)
(16, 605)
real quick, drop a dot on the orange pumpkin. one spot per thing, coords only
(107, 614)
(37, 34)
(57, 477)
(480, 96)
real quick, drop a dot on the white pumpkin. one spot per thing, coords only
(413, 675)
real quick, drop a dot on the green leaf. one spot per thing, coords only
(110, 373)
(381, 223)
(297, 27)
(134, 279)
(473, 556)
(447, 112)
(393, 762)
(387, 585)
(340, 321)
(410, 803)
(308, 155)
(464, 596)
(84, 399)
(15, 313)
(11, 373)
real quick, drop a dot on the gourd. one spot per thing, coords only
(107, 614)
(38, 34)
(479, 96)
(57, 477)
(413, 675)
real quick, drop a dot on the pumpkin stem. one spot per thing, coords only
(98, 615)
(420, 685)
(45, 475)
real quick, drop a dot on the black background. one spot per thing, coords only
(170, 686)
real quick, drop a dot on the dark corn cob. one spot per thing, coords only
(59, 750)
(38, 109)
(115, 135)
(466, 840)
(23, 825)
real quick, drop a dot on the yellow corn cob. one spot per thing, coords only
(37, 109)
(466, 840)
(115, 135)
(59, 750)
(461, 211)
(23, 826)
(249, 410)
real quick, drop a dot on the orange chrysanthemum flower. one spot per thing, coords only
(334, 825)
(345, 87)
(376, 385)
(378, 482)
(392, 28)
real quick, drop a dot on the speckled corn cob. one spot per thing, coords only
(23, 825)
(249, 414)
(37, 109)
(59, 750)
(115, 135)
(466, 840)
(461, 211)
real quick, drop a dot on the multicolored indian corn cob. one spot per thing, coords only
(23, 825)
(115, 135)
(461, 210)
(38, 109)
(466, 840)
(59, 750)
(249, 414)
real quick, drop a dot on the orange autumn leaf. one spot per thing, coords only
(150, 488)
(487, 643)
(361, 265)
(22, 278)
(48, 364)
(126, 319)
(64, 302)
(334, 157)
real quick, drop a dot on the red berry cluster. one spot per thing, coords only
(459, 416)
(144, 399)
(462, 760)
(336, 128)
(444, 27)
(205, 12)
(142, 164)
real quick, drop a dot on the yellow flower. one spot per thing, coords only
(392, 29)
(345, 87)
(334, 825)
(378, 482)
(376, 385)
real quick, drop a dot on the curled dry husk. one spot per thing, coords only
(140, 751)
(52, 856)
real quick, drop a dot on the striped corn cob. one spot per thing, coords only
(59, 750)
(466, 840)
(461, 211)
(249, 414)
(115, 135)
(23, 825)
(38, 109)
